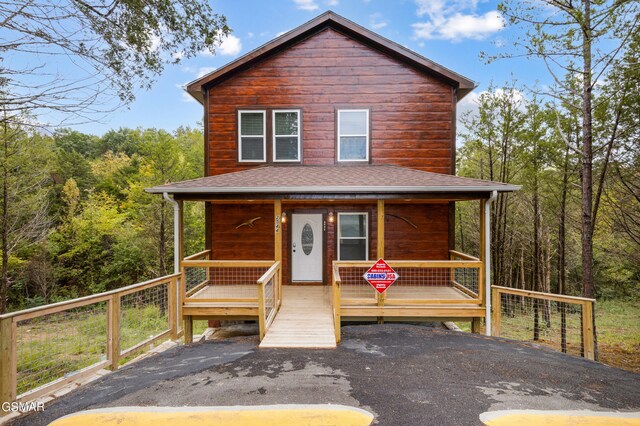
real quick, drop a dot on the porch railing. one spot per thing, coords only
(234, 283)
(419, 283)
(45, 348)
(563, 323)
(269, 297)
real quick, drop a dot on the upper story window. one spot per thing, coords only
(353, 135)
(252, 141)
(286, 135)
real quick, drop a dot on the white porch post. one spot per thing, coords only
(177, 252)
(487, 261)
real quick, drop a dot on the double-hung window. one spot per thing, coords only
(286, 135)
(252, 141)
(353, 241)
(353, 135)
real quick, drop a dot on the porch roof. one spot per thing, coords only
(366, 179)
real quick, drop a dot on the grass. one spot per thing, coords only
(57, 345)
(618, 330)
(617, 327)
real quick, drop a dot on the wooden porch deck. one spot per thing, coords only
(305, 320)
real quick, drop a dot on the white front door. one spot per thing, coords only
(306, 247)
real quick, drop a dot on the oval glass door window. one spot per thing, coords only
(307, 239)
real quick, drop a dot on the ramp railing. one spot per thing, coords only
(563, 323)
(47, 347)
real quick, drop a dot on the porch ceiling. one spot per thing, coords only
(322, 180)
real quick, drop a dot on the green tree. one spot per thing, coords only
(24, 186)
(112, 47)
(581, 39)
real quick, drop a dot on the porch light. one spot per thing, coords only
(331, 217)
(284, 217)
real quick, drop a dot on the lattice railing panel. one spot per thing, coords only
(143, 315)
(52, 346)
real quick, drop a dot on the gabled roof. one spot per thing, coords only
(345, 26)
(332, 180)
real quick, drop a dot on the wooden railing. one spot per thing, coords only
(45, 348)
(424, 289)
(416, 285)
(564, 323)
(223, 280)
(269, 297)
(335, 299)
(475, 288)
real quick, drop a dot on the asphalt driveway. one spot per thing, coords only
(404, 374)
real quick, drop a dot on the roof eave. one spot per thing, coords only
(332, 190)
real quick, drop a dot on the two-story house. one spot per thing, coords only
(326, 149)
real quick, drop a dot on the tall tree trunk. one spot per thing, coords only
(588, 287)
(4, 221)
(547, 281)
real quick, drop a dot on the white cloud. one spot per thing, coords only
(332, 2)
(377, 22)
(306, 4)
(455, 20)
(202, 71)
(228, 46)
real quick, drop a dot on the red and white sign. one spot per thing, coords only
(380, 276)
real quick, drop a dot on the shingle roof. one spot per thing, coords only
(333, 20)
(331, 179)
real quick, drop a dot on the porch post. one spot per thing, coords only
(178, 252)
(277, 214)
(380, 246)
(380, 250)
(487, 260)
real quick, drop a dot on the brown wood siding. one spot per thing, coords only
(411, 112)
(244, 243)
(429, 242)
(402, 242)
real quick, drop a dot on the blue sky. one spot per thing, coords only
(450, 32)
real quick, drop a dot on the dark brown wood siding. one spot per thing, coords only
(410, 112)
(244, 243)
(429, 242)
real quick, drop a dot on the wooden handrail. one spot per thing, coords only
(269, 274)
(464, 256)
(227, 263)
(82, 301)
(412, 263)
(588, 338)
(112, 299)
(336, 283)
(197, 255)
(336, 273)
(541, 295)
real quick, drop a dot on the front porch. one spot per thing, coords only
(270, 227)
(252, 290)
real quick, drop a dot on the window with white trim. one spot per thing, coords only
(252, 141)
(353, 236)
(353, 135)
(286, 135)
